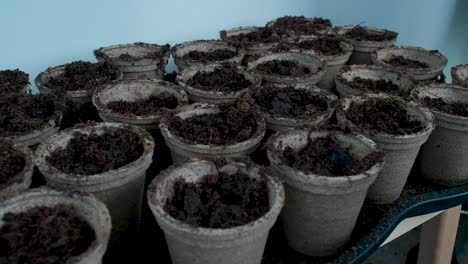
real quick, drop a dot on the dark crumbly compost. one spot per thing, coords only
(142, 107)
(283, 67)
(262, 35)
(219, 201)
(452, 108)
(160, 51)
(326, 45)
(13, 81)
(225, 78)
(363, 34)
(290, 102)
(383, 116)
(83, 75)
(378, 86)
(326, 157)
(44, 235)
(214, 55)
(300, 24)
(93, 154)
(12, 162)
(400, 61)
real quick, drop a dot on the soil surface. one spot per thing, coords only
(290, 102)
(44, 235)
(283, 67)
(327, 45)
(20, 114)
(144, 107)
(363, 34)
(263, 35)
(13, 81)
(94, 154)
(215, 55)
(234, 123)
(402, 62)
(224, 79)
(377, 86)
(452, 108)
(300, 24)
(83, 75)
(325, 156)
(12, 162)
(219, 201)
(159, 53)
(383, 116)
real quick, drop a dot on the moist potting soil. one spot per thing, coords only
(142, 107)
(153, 55)
(377, 86)
(322, 45)
(362, 34)
(301, 24)
(290, 102)
(452, 108)
(263, 35)
(226, 78)
(13, 81)
(383, 116)
(283, 67)
(214, 55)
(44, 235)
(326, 157)
(402, 62)
(93, 153)
(11, 161)
(219, 201)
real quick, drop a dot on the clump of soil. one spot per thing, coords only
(94, 154)
(363, 34)
(326, 157)
(326, 45)
(262, 35)
(377, 86)
(219, 201)
(215, 55)
(290, 102)
(44, 235)
(83, 75)
(400, 61)
(224, 79)
(12, 162)
(13, 81)
(283, 67)
(20, 114)
(383, 116)
(300, 24)
(158, 54)
(232, 124)
(452, 108)
(142, 107)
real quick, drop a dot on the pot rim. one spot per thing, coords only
(342, 30)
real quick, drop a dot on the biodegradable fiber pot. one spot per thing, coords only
(250, 48)
(460, 75)
(434, 60)
(181, 53)
(198, 245)
(182, 151)
(443, 157)
(22, 180)
(315, 64)
(348, 73)
(364, 48)
(214, 95)
(86, 207)
(400, 150)
(137, 60)
(131, 91)
(320, 211)
(120, 189)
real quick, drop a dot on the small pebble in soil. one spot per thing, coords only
(12, 161)
(44, 235)
(363, 34)
(226, 78)
(214, 55)
(400, 61)
(378, 86)
(93, 153)
(326, 45)
(13, 81)
(142, 107)
(300, 24)
(219, 201)
(453, 108)
(284, 68)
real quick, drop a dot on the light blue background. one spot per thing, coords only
(39, 34)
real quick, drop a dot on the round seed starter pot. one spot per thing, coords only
(131, 91)
(400, 150)
(200, 245)
(22, 180)
(86, 207)
(250, 48)
(443, 158)
(460, 75)
(311, 27)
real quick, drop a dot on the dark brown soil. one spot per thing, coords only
(452, 108)
(156, 55)
(215, 55)
(83, 75)
(142, 107)
(290, 102)
(171, 77)
(76, 113)
(326, 45)
(20, 114)
(13, 81)
(219, 201)
(283, 67)
(400, 61)
(225, 79)
(234, 123)
(362, 34)
(94, 154)
(12, 162)
(383, 116)
(263, 35)
(301, 25)
(44, 235)
(378, 86)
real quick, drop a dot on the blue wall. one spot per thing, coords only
(39, 34)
